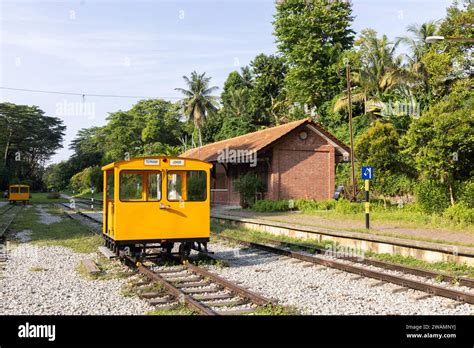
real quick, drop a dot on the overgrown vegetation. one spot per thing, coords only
(427, 212)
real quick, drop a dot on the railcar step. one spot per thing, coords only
(107, 252)
(90, 266)
(192, 285)
(237, 311)
(213, 297)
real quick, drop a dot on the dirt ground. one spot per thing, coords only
(390, 229)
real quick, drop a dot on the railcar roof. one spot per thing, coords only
(118, 164)
(18, 185)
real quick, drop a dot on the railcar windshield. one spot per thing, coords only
(14, 189)
(187, 185)
(23, 189)
(140, 186)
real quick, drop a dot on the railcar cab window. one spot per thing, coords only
(14, 189)
(187, 185)
(23, 189)
(154, 187)
(140, 186)
(110, 185)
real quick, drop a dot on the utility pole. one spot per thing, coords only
(349, 97)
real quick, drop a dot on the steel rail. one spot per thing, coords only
(179, 294)
(414, 284)
(255, 298)
(382, 264)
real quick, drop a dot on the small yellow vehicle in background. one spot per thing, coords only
(19, 193)
(155, 202)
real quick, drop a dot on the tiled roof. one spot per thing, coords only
(255, 141)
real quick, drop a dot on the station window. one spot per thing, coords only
(23, 189)
(154, 187)
(14, 189)
(190, 185)
(131, 186)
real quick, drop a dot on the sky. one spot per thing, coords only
(142, 48)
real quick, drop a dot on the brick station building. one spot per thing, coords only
(294, 160)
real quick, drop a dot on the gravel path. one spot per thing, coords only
(319, 290)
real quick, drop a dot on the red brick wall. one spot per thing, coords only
(303, 168)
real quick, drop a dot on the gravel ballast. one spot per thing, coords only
(44, 280)
(319, 290)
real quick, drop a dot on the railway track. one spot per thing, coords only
(202, 291)
(382, 271)
(5, 221)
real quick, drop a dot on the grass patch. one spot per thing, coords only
(68, 233)
(42, 198)
(257, 236)
(38, 269)
(181, 309)
(451, 268)
(204, 260)
(271, 309)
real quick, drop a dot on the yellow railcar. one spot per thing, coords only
(155, 202)
(19, 193)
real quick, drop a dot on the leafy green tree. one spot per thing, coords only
(151, 127)
(29, 139)
(441, 141)
(268, 96)
(448, 61)
(312, 35)
(379, 147)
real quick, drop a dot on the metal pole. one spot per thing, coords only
(349, 96)
(367, 205)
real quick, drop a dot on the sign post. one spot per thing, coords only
(92, 197)
(367, 175)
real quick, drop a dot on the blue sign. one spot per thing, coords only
(367, 173)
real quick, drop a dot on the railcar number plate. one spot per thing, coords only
(152, 162)
(177, 162)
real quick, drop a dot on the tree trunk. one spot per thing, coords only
(451, 195)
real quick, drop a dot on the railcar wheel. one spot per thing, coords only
(184, 250)
(168, 247)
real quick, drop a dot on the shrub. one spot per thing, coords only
(53, 195)
(460, 213)
(266, 205)
(466, 193)
(248, 185)
(432, 197)
(346, 207)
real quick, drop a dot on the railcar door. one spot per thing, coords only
(109, 204)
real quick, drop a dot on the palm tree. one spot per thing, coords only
(198, 102)
(417, 48)
(380, 72)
